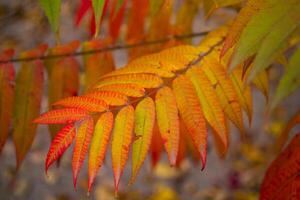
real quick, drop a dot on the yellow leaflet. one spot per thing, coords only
(171, 59)
(214, 37)
(143, 80)
(151, 68)
(99, 145)
(261, 81)
(122, 135)
(191, 114)
(243, 91)
(144, 123)
(211, 106)
(168, 122)
(225, 91)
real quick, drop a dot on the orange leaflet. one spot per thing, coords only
(98, 147)
(209, 101)
(97, 64)
(191, 114)
(59, 144)
(121, 141)
(84, 103)
(82, 141)
(110, 97)
(168, 121)
(61, 116)
(63, 76)
(7, 77)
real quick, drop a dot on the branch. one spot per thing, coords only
(108, 48)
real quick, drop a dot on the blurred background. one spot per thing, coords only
(23, 26)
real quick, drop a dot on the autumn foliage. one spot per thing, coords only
(169, 97)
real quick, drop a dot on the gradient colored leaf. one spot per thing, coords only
(62, 140)
(61, 116)
(116, 18)
(98, 6)
(28, 96)
(84, 103)
(258, 28)
(242, 19)
(167, 121)
(7, 92)
(99, 144)
(211, 106)
(156, 145)
(225, 91)
(191, 113)
(143, 129)
(121, 141)
(276, 39)
(82, 141)
(52, 11)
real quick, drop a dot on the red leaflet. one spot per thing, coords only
(61, 116)
(82, 141)
(59, 144)
(116, 18)
(156, 146)
(85, 5)
(282, 177)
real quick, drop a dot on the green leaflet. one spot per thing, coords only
(52, 11)
(98, 6)
(259, 28)
(275, 40)
(290, 80)
(28, 95)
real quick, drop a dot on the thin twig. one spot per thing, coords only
(108, 48)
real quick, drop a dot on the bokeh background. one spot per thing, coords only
(238, 176)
